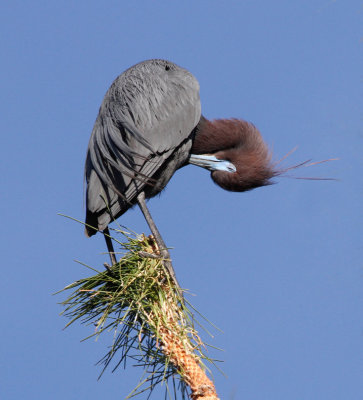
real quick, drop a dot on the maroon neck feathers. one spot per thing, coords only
(240, 143)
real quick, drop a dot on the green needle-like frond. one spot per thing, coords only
(141, 305)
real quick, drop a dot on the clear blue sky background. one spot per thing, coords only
(279, 269)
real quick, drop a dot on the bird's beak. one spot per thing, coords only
(211, 163)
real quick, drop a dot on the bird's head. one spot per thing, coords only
(238, 157)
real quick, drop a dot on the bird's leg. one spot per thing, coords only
(159, 240)
(111, 251)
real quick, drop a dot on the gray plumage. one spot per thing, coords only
(142, 134)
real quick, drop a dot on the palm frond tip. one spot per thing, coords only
(140, 304)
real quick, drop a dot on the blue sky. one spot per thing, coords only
(278, 270)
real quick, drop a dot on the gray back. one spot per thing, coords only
(143, 130)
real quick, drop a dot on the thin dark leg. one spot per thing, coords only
(111, 251)
(159, 240)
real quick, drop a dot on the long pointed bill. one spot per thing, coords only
(212, 163)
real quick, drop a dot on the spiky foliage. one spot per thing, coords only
(153, 326)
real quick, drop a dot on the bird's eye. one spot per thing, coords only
(167, 67)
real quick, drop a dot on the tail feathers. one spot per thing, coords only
(91, 227)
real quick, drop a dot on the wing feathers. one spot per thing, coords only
(148, 113)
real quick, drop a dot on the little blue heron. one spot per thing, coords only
(148, 126)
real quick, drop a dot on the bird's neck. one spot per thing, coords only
(217, 135)
(240, 143)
